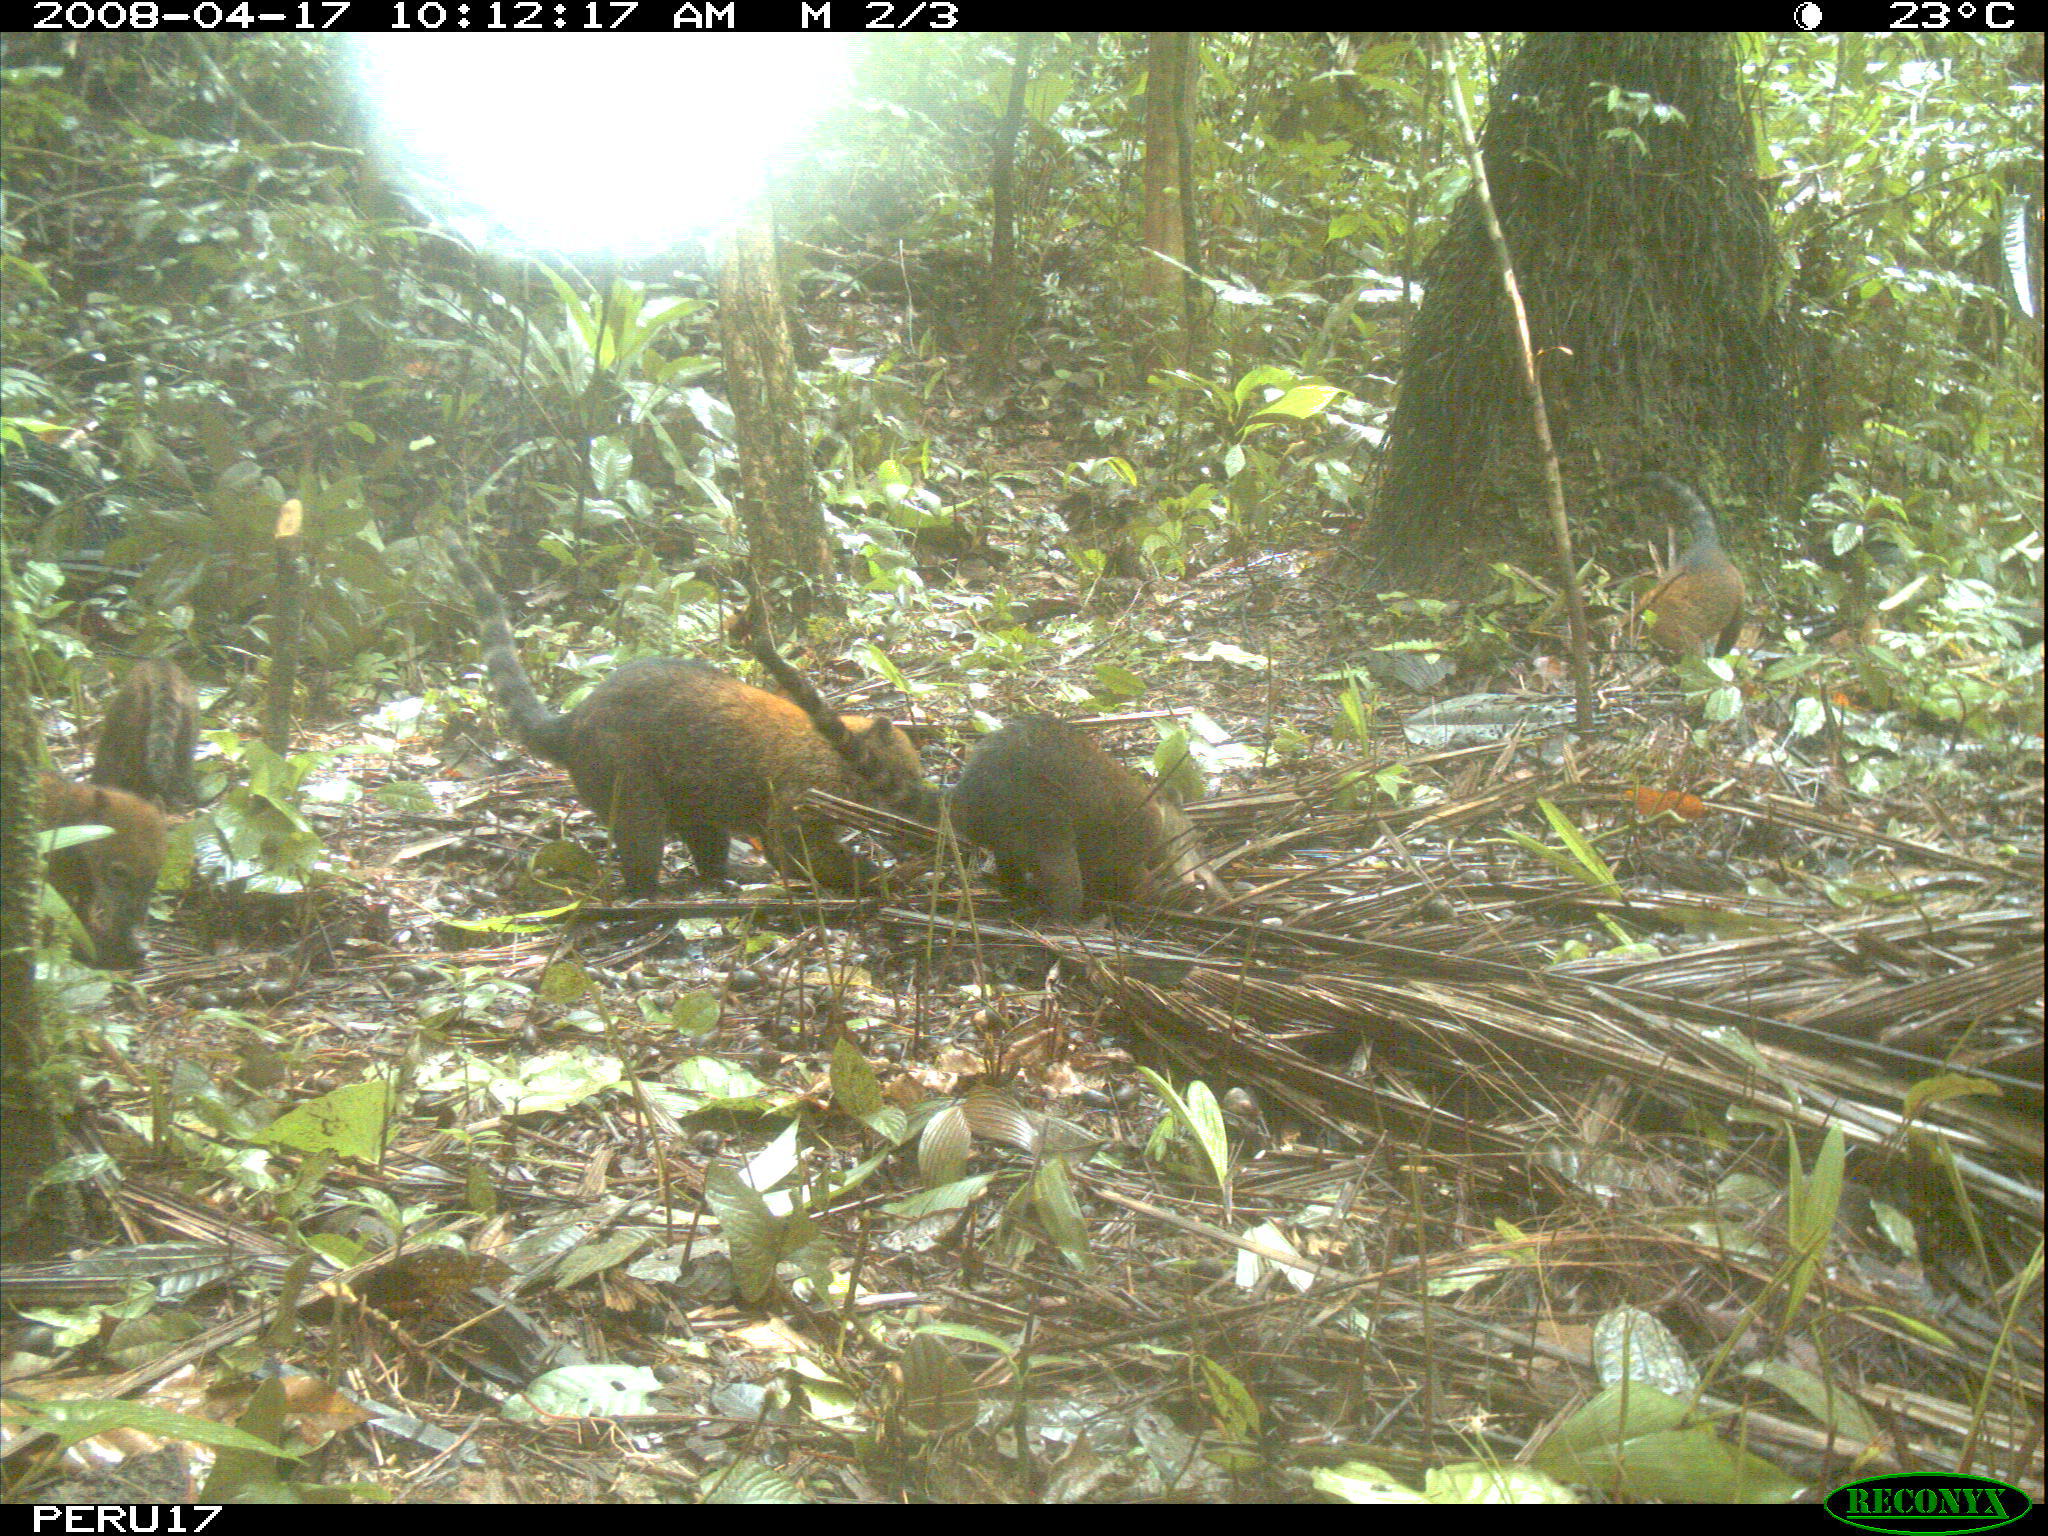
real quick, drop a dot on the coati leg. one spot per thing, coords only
(1049, 878)
(638, 822)
(710, 850)
(799, 841)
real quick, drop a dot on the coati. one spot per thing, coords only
(1068, 824)
(1700, 599)
(108, 882)
(672, 748)
(876, 750)
(147, 735)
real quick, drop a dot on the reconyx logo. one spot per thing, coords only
(1927, 1502)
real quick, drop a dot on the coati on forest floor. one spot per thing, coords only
(147, 735)
(1068, 824)
(108, 882)
(672, 748)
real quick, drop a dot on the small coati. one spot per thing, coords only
(1068, 824)
(672, 748)
(108, 882)
(147, 735)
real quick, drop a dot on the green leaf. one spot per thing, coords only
(1596, 869)
(1115, 682)
(855, 1088)
(82, 1418)
(1052, 1193)
(564, 983)
(1301, 402)
(349, 1122)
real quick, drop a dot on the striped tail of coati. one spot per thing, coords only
(539, 729)
(875, 749)
(147, 735)
(667, 747)
(107, 882)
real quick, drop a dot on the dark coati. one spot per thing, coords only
(1068, 824)
(108, 882)
(671, 748)
(147, 735)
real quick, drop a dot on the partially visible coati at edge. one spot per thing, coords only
(147, 735)
(671, 748)
(108, 882)
(1068, 824)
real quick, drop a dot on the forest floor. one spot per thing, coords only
(1484, 1081)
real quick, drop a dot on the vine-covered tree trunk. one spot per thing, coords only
(33, 1223)
(1624, 172)
(1169, 72)
(1000, 318)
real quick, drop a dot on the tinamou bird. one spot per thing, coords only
(1699, 601)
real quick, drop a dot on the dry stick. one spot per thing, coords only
(1532, 387)
(287, 607)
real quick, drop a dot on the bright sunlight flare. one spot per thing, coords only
(620, 147)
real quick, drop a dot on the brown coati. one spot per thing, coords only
(1068, 824)
(672, 748)
(108, 882)
(879, 753)
(147, 735)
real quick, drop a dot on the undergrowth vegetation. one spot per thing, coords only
(1491, 1017)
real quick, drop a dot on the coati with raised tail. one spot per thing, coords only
(147, 735)
(876, 750)
(671, 748)
(108, 882)
(1068, 824)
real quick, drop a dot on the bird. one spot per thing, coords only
(1699, 601)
